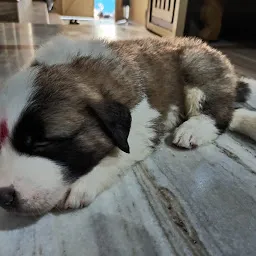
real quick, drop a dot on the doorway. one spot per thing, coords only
(104, 9)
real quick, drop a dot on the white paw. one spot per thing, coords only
(79, 196)
(195, 132)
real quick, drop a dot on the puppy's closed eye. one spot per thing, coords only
(47, 143)
(35, 145)
(39, 146)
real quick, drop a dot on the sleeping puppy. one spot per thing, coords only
(85, 111)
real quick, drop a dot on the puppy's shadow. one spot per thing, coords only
(10, 221)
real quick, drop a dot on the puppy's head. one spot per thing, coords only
(54, 129)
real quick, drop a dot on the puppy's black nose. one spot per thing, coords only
(7, 197)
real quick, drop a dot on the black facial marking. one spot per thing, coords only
(29, 138)
(28, 129)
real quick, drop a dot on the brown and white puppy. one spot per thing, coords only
(85, 111)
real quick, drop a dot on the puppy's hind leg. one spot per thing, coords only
(244, 121)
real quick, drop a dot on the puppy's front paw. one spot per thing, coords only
(78, 197)
(195, 132)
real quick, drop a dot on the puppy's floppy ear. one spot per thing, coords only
(116, 121)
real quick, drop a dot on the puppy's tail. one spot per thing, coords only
(244, 120)
(243, 91)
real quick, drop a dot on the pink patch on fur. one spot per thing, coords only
(3, 132)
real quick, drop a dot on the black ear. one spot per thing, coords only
(116, 121)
